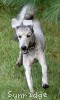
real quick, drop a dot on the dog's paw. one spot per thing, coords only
(45, 86)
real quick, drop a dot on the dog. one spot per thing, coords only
(31, 43)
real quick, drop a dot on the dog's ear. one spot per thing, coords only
(14, 23)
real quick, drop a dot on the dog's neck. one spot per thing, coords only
(32, 45)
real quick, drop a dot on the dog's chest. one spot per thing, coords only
(34, 53)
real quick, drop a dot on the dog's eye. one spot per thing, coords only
(20, 36)
(28, 36)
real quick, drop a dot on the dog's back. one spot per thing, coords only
(39, 34)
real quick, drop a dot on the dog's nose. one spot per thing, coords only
(23, 47)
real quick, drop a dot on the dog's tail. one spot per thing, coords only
(26, 13)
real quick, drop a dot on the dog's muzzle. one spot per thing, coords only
(24, 49)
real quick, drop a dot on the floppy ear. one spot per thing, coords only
(14, 23)
(27, 23)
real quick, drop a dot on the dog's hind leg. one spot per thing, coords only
(41, 58)
(20, 59)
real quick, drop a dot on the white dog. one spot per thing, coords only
(31, 43)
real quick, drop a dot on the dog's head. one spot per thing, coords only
(25, 36)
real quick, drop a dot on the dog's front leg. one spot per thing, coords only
(29, 78)
(41, 58)
(20, 59)
(27, 67)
